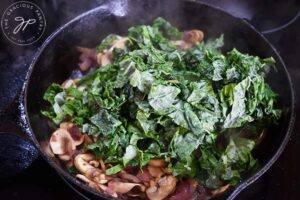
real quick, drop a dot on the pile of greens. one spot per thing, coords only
(155, 101)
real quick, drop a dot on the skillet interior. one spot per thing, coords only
(57, 58)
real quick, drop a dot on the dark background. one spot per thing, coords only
(39, 181)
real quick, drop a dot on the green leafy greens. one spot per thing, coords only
(156, 101)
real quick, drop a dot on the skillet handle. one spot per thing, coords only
(17, 151)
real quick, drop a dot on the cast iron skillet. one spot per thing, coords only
(57, 58)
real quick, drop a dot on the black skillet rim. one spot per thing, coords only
(237, 190)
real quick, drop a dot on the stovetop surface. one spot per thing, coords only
(40, 181)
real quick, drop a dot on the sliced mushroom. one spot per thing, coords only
(94, 163)
(97, 186)
(152, 183)
(68, 83)
(88, 52)
(119, 43)
(144, 176)
(85, 63)
(74, 132)
(164, 187)
(89, 182)
(155, 171)
(167, 171)
(96, 175)
(122, 187)
(129, 177)
(104, 58)
(61, 142)
(220, 190)
(87, 139)
(157, 163)
(182, 45)
(64, 125)
(186, 189)
(81, 163)
(92, 173)
(87, 58)
(136, 195)
(102, 179)
(84, 163)
(65, 157)
(102, 165)
(193, 37)
(110, 191)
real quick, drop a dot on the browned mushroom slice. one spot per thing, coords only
(74, 132)
(123, 187)
(89, 182)
(76, 135)
(220, 190)
(155, 171)
(87, 52)
(87, 139)
(186, 189)
(144, 176)
(84, 63)
(96, 186)
(164, 187)
(193, 37)
(157, 163)
(87, 58)
(61, 142)
(129, 177)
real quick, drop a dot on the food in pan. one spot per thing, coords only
(162, 114)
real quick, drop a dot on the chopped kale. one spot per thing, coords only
(157, 101)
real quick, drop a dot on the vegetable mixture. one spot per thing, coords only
(165, 109)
